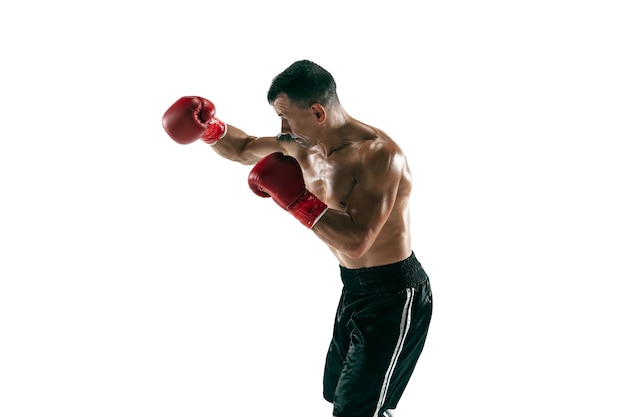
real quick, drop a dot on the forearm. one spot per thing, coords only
(234, 146)
(338, 230)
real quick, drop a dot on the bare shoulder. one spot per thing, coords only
(383, 165)
(382, 153)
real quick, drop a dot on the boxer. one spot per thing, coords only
(350, 184)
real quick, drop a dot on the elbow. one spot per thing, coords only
(345, 236)
(248, 159)
(244, 158)
(354, 254)
(357, 248)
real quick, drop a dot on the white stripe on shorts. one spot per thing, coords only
(405, 323)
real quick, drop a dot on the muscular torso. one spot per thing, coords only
(347, 181)
(333, 179)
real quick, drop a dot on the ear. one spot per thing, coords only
(319, 111)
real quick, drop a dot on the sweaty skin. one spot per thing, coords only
(356, 169)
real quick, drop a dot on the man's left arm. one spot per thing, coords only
(371, 201)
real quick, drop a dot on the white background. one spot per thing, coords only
(139, 277)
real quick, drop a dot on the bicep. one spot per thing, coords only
(257, 148)
(368, 208)
(374, 196)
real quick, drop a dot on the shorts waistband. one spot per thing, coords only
(403, 274)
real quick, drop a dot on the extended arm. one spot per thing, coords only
(192, 118)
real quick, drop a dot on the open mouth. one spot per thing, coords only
(285, 137)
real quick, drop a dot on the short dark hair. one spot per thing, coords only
(305, 83)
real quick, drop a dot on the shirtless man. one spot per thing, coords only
(350, 184)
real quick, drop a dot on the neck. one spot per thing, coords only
(342, 136)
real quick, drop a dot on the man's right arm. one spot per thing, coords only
(243, 148)
(192, 118)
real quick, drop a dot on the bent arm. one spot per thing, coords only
(371, 203)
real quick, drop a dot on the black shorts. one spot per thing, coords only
(379, 333)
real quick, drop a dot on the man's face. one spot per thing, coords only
(296, 122)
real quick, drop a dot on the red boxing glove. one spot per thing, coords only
(192, 118)
(280, 177)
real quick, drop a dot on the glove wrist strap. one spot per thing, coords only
(308, 209)
(215, 131)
